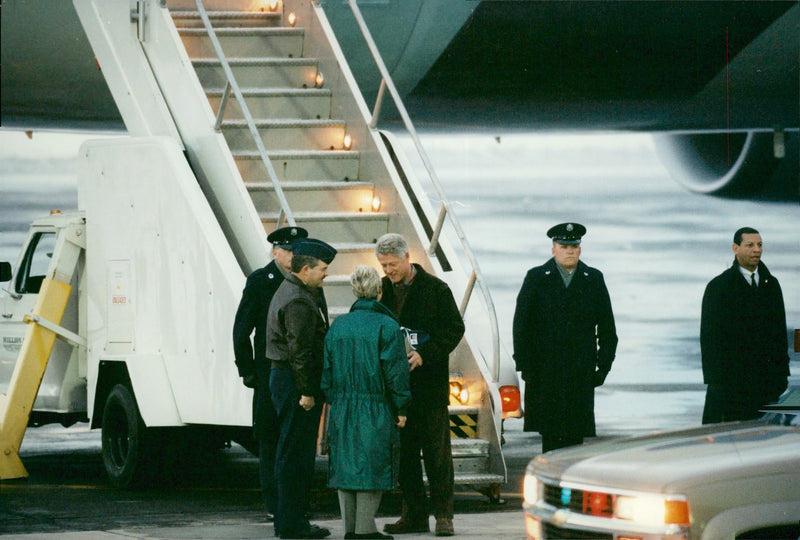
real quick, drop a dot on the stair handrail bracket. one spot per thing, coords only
(232, 86)
(446, 213)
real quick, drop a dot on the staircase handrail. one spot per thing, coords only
(445, 211)
(232, 85)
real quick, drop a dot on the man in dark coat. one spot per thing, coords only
(743, 336)
(254, 370)
(296, 328)
(565, 340)
(425, 306)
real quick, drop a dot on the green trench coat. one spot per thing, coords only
(365, 381)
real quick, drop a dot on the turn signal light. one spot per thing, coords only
(677, 513)
(509, 396)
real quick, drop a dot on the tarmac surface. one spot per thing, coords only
(67, 495)
(509, 524)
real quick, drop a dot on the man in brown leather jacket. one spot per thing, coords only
(296, 328)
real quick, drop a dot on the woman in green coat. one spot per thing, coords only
(365, 381)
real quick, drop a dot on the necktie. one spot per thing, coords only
(753, 281)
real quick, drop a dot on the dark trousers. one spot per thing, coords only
(427, 430)
(554, 442)
(266, 474)
(730, 404)
(295, 454)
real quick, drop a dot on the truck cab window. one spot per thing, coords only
(34, 265)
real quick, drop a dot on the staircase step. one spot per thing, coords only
(301, 165)
(258, 72)
(245, 42)
(332, 227)
(294, 134)
(338, 291)
(349, 256)
(476, 479)
(240, 19)
(314, 196)
(284, 103)
(469, 447)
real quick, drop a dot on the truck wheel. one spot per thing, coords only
(125, 440)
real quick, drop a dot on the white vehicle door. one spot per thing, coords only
(19, 298)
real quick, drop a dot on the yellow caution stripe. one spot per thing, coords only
(463, 426)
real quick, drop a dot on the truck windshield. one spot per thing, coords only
(34, 265)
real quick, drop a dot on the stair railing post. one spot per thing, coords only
(387, 81)
(467, 294)
(376, 112)
(222, 104)
(437, 230)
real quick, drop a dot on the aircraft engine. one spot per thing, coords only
(755, 164)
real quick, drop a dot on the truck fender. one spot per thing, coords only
(742, 519)
(146, 376)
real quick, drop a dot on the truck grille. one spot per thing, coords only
(582, 502)
(552, 532)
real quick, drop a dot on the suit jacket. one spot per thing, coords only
(430, 308)
(562, 336)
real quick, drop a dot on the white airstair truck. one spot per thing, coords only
(242, 116)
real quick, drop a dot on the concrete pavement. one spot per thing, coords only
(507, 525)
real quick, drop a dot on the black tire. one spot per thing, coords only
(126, 443)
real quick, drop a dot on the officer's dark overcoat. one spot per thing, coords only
(250, 358)
(562, 335)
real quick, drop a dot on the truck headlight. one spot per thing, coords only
(531, 489)
(653, 510)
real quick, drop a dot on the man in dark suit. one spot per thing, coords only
(565, 340)
(251, 358)
(425, 305)
(743, 336)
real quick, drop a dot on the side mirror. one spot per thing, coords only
(5, 271)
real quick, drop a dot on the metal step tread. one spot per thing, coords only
(286, 123)
(463, 409)
(260, 61)
(246, 32)
(227, 14)
(330, 216)
(337, 279)
(308, 185)
(298, 154)
(477, 478)
(275, 92)
(354, 247)
(469, 447)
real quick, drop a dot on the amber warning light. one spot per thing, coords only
(509, 395)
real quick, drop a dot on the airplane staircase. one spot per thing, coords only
(289, 115)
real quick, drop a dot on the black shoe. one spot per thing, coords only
(313, 531)
(372, 536)
(350, 536)
(405, 526)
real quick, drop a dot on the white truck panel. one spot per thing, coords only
(164, 284)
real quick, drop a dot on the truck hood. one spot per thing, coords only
(670, 462)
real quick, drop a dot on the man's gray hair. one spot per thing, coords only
(391, 244)
(366, 282)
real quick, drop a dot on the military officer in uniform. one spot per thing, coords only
(564, 341)
(251, 359)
